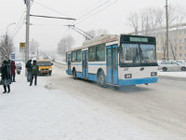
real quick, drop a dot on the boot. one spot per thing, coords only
(4, 88)
(8, 88)
(14, 78)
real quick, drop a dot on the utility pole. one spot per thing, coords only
(27, 2)
(167, 29)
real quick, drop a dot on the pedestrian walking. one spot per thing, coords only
(13, 68)
(6, 76)
(28, 67)
(34, 72)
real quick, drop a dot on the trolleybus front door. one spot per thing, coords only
(85, 64)
(69, 64)
(112, 65)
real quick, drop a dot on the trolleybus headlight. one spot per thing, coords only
(153, 73)
(128, 75)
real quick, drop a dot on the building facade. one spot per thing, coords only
(177, 43)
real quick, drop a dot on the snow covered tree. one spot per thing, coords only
(34, 46)
(6, 47)
(65, 44)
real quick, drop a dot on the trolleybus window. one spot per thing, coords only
(137, 55)
(79, 56)
(148, 53)
(92, 54)
(100, 52)
(73, 56)
(129, 54)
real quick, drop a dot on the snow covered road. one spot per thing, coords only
(45, 112)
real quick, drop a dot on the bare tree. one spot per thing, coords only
(92, 33)
(134, 22)
(175, 20)
(98, 32)
(151, 21)
(145, 21)
(34, 47)
(65, 44)
(6, 47)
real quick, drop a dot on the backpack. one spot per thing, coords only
(28, 65)
(34, 69)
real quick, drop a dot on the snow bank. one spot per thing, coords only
(60, 59)
(172, 74)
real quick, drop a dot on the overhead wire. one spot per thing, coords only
(88, 7)
(51, 9)
(96, 10)
(100, 7)
(20, 22)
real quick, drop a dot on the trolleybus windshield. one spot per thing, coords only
(137, 55)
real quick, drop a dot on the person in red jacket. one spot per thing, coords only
(13, 68)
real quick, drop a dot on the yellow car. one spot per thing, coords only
(44, 67)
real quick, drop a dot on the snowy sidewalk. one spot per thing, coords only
(178, 74)
(41, 113)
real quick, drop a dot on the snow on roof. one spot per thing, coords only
(97, 40)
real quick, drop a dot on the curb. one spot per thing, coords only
(173, 78)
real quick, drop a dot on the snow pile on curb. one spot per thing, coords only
(172, 74)
(59, 59)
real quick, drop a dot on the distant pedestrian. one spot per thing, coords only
(13, 68)
(6, 76)
(28, 67)
(34, 72)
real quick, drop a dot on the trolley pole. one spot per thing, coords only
(167, 29)
(27, 30)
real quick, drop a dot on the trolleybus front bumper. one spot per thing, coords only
(128, 82)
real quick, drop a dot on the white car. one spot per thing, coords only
(18, 64)
(172, 66)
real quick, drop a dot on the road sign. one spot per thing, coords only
(12, 56)
(22, 47)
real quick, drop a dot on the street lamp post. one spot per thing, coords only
(6, 38)
(9, 26)
(167, 29)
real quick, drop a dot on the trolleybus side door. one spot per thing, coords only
(69, 64)
(112, 64)
(85, 64)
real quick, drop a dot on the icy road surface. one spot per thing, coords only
(61, 108)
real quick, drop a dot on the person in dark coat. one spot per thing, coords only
(6, 76)
(13, 68)
(28, 67)
(34, 71)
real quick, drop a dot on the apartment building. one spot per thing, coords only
(177, 43)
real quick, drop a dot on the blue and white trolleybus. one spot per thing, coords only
(115, 60)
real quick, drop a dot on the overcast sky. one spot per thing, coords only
(111, 17)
